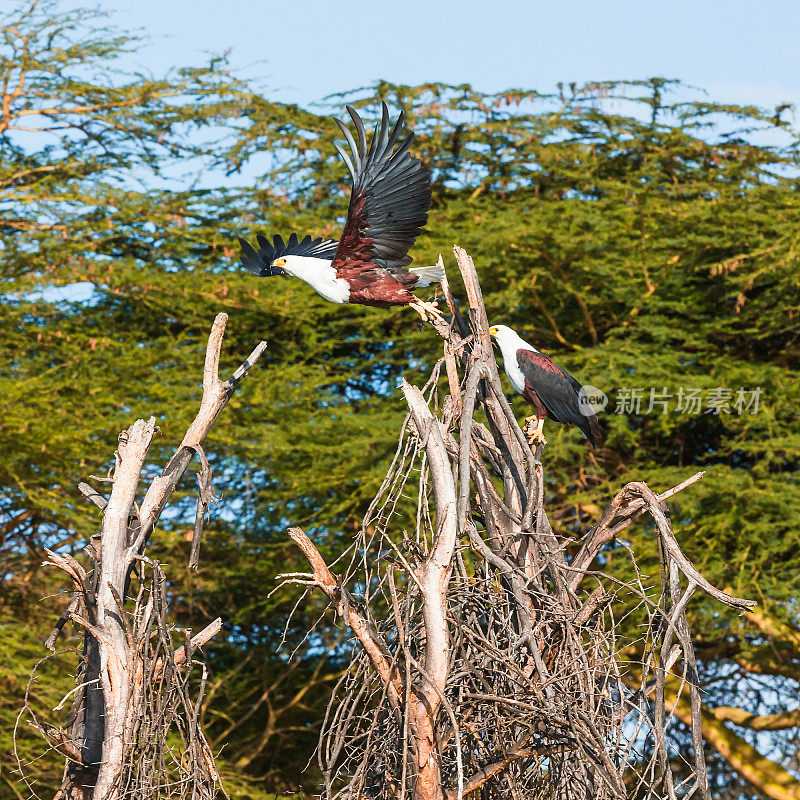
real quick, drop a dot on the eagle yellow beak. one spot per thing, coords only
(492, 331)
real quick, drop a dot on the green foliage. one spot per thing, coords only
(22, 650)
(642, 237)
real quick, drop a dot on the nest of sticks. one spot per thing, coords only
(485, 657)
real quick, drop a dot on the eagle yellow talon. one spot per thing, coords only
(533, 430)
(427, 310)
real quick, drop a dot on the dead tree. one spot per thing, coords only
(133, 728)
(485, 658)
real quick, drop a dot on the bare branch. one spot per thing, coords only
(133, 689)
(434, 574)
(91, 494)
(618, 515)
(365, 633)
(686, 566)
(478, 613)
(216, 394)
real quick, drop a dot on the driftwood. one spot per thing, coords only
(133, 729)
(485, 658)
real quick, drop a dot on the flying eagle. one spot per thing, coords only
(552, 391)
(389, 203)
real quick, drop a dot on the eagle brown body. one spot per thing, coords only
(529, 362)
(369, 288)
(373, 285)
(550, 390)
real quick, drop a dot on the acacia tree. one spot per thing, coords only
(650, 239)
(82, 146)
(655, 249)
(614, 223)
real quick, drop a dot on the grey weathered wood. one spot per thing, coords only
(544, 652)
(112, 677)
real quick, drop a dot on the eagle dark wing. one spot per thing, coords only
(260, 262)
(557, 391)
(390, 198)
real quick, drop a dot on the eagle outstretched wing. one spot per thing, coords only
(557, 391)
(260, 262)
(390, 198)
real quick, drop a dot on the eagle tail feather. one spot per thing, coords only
(591, 429)
(428, 275)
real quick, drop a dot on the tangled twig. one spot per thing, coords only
(487, 658)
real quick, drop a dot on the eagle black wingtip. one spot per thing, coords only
(249, 258)
(248, 250)
(259, 261)
(362, 134)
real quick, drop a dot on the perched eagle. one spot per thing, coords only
(552, 391)
(389, 204)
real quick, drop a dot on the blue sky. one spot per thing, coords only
(302, 50)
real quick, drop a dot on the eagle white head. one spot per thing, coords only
(509, 340)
